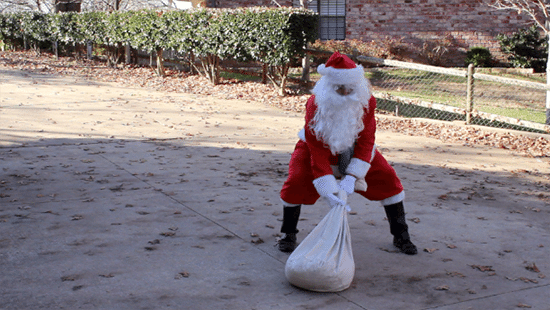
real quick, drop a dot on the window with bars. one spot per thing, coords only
(332, 17)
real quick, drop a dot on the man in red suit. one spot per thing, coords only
(337, 143)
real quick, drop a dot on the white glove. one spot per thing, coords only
(336, 199)
(327, 187)
(348, 184)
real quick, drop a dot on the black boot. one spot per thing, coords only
(399, 228)
(291, 215)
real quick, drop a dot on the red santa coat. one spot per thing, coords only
(312, 159)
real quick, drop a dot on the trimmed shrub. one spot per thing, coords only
(479, 57)
(526, 48)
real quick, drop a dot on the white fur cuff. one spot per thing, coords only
(342, 76)
(326, 185)
(358, 168)
(302, 134)
(393, 199)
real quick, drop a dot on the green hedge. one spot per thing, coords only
(270, 36)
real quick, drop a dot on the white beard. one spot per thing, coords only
(338, 119)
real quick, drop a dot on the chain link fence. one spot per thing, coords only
(414, 90)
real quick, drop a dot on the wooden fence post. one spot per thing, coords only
(470, 94)
(127, 54)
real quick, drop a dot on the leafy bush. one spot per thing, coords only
(479, 57)
(10, 29)
(526, 48)
(64, 28)
(91, 26)
(272, 36)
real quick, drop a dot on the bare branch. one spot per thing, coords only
(538, 10)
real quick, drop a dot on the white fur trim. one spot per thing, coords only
(358, 168)
(361, 185)
(393, 199)
(326, 185)
(286, 204)
(342, 76)
(302, 134)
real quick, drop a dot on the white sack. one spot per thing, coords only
(323, 262)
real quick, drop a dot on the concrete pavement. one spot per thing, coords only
(143, 200)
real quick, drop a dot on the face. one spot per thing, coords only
(343, 89)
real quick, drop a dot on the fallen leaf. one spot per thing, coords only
(117, 188)
(532, 267)
(442, 288)
(183, 274)
(456, 274)
(180, 81)
(430, 250)
(527, 280)
(257, 241)
(482, 268)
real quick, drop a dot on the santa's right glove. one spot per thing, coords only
(348, 184)
(327, 187)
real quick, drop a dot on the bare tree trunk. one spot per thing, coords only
(211, 68)
(56, 49)
(160, 63)
(89, 50)
(305, 68)
(284, 78)
(127, 54)
(264, 73)
(192, 68)
(214, 69)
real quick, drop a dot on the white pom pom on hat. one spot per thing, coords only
(340, 69)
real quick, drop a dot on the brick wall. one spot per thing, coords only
(468, 22)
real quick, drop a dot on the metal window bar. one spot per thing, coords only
(332, 18)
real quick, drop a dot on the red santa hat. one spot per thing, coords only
(340, 69)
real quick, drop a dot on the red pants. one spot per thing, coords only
(382, 181)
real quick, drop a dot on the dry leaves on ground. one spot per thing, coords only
(178, 81)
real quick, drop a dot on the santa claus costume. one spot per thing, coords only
(338, 143)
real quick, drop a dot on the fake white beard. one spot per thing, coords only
(338, 120)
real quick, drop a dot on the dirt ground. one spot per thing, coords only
(118, 197)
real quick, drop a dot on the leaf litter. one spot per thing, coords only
(177, 81)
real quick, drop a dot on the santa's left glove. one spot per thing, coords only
(327, 187)
(348, 184)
